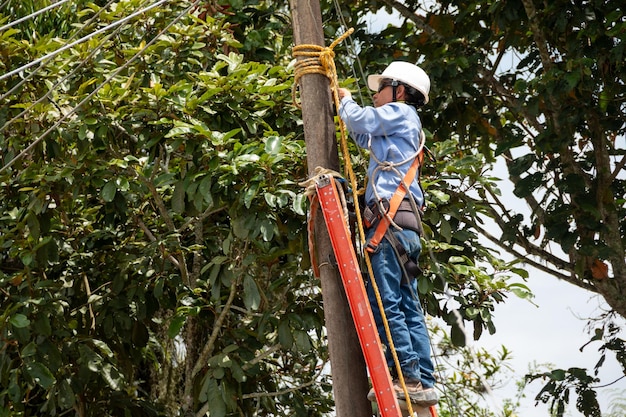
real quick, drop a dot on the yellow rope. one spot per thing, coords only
(315, 59)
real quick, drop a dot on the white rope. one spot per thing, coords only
(83, 39)
(32, 15)
(105, 82)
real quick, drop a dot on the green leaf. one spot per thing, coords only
(112, 376)
(29, 350)
(178, 197)
(251, 295)
(445, 230)
(299, 204)
(19, 321)
(302, 341)
(33, 225)
(457, 336)
(176, 325)
(40, 374)
(240, 226)
(557, 375)
(273, 145)
(205, 190)
(214, 399)
(424, 285)
(250, 193)
(89, 358)
(237, 372)
(42, 325)
(108, 191)
(284, 334)
(66, 395)
(521, 291)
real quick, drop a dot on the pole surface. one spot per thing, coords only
(349, 374)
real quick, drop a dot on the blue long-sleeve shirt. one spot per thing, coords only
(392, 133)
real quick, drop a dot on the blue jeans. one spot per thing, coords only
(403, 311)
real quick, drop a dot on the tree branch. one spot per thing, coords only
(169, 222)
(414, 17)
(618, 169)
(217, 328)
(540, 39)
(571, 279)
(152, 238)
(268, 352)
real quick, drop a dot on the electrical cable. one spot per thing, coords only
(33, 73)
(105, 82)
(59, 82)
(83, 39)
(33, 15)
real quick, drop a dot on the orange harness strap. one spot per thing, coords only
(396, 199)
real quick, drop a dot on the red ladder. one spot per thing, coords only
(350, 272)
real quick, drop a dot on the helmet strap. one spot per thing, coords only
(394, 85)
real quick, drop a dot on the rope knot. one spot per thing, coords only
(315, 59)
(386, 165)
(327, 59)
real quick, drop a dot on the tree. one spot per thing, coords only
(154, 258)
(555, 114)
(540, 86)
(152, 241)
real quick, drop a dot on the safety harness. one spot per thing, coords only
(382, 214)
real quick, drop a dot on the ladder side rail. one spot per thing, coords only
(357, 296)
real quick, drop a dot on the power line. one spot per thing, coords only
(59, 82)
(32, 15)
(64, 78)
(105, 82)
(32, 74)
(83, 39)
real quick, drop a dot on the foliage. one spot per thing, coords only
(153, 241)
(560, 382)
(557, 391)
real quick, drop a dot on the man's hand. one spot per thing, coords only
(344, 92)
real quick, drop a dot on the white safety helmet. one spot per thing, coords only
(405, 72)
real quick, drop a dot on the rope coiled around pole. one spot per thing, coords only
(316, 59)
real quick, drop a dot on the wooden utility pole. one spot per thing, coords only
(349, 375)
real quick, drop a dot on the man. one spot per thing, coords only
(392, 132)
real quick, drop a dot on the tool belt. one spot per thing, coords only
(405, 218)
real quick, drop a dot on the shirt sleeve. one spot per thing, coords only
(374, 121)
(391, 133)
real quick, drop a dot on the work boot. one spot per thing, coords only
(418, 395)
